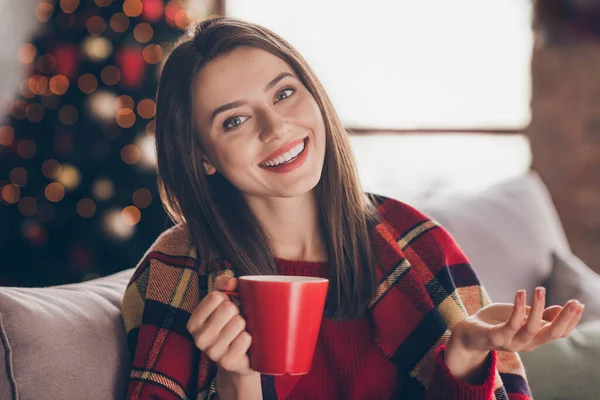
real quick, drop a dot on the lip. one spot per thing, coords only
(283, 149)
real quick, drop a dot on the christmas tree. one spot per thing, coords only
(77, 167)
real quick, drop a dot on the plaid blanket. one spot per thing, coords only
(426, 286)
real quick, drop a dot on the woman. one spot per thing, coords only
(256, 170)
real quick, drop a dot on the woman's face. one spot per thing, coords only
(253, 114)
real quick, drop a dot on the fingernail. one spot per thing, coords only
(521, 294)
(580, 309)
(541, 291)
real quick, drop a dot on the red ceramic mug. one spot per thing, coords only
(283, 315)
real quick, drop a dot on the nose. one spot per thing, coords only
(274, 126)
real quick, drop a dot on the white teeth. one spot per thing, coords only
(285, 157)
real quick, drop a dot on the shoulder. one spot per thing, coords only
(173, 247)
(170, 252)
(401, 216)
(413, 230)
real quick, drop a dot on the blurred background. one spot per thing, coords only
(438, 97)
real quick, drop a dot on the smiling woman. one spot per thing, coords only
(256, 168)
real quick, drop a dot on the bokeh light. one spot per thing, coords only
(11, 193)
(54, 192)
(151, 128)
(87, 83)
(124, 101)
(18, 176)
(70, 177)
(146, 108)
(38, 84)
(26, 149)
(68, 115)
(103, 189)
(131, 215)
(97, 48)
(130, 154)
(34, 232)
(86, 208)
(28, 206)
(95, 25)
(44, 11)
(143, 32)
(69, 6)
(133, 8)
(142, 198)
(125, 118)
(147, 144)
(115, 226)
(101, 105)
(7, 135)
(152, 54)
(35, 112)
(59, 85)
(119, 22)
(26, 53)
(51, 169)
(110, 75)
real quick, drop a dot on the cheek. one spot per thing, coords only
(233, 156)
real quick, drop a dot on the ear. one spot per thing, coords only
(209, 169)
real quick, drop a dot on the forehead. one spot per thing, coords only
(231, 76)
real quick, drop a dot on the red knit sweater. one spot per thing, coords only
(347, 363)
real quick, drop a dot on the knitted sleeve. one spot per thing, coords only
(157, 304)
(454, 292)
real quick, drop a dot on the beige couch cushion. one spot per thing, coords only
(508, 232)
(64, 342)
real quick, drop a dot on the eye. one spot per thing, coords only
(233, 122)
(284, 94)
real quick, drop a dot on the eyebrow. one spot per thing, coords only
(239, 103)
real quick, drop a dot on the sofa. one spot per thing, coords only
(68, 342)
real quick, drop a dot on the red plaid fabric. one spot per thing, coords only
(426, 286)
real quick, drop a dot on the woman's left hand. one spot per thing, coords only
(517, 327)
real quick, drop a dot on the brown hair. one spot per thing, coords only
(215, 212)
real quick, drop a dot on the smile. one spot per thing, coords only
(287, 157)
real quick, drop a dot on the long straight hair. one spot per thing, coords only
(216, 213)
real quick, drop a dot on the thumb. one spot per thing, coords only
(225, 283)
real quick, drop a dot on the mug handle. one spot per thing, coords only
(232, 294)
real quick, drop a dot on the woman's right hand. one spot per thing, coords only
(219, 330)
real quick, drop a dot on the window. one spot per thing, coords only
(411, 64)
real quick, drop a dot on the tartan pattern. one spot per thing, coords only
(426, 286)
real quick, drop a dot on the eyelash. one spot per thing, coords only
(228, 120)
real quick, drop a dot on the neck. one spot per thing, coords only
(292, 226)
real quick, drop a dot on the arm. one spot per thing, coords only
(455, 293)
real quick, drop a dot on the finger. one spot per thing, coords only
(550, 313)
(225, 338)
(236, 357)
(515, 321)
(534, 320)
(575, 320)
(225, 283)
(557, 327)
(206, 307)
(208, 333)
